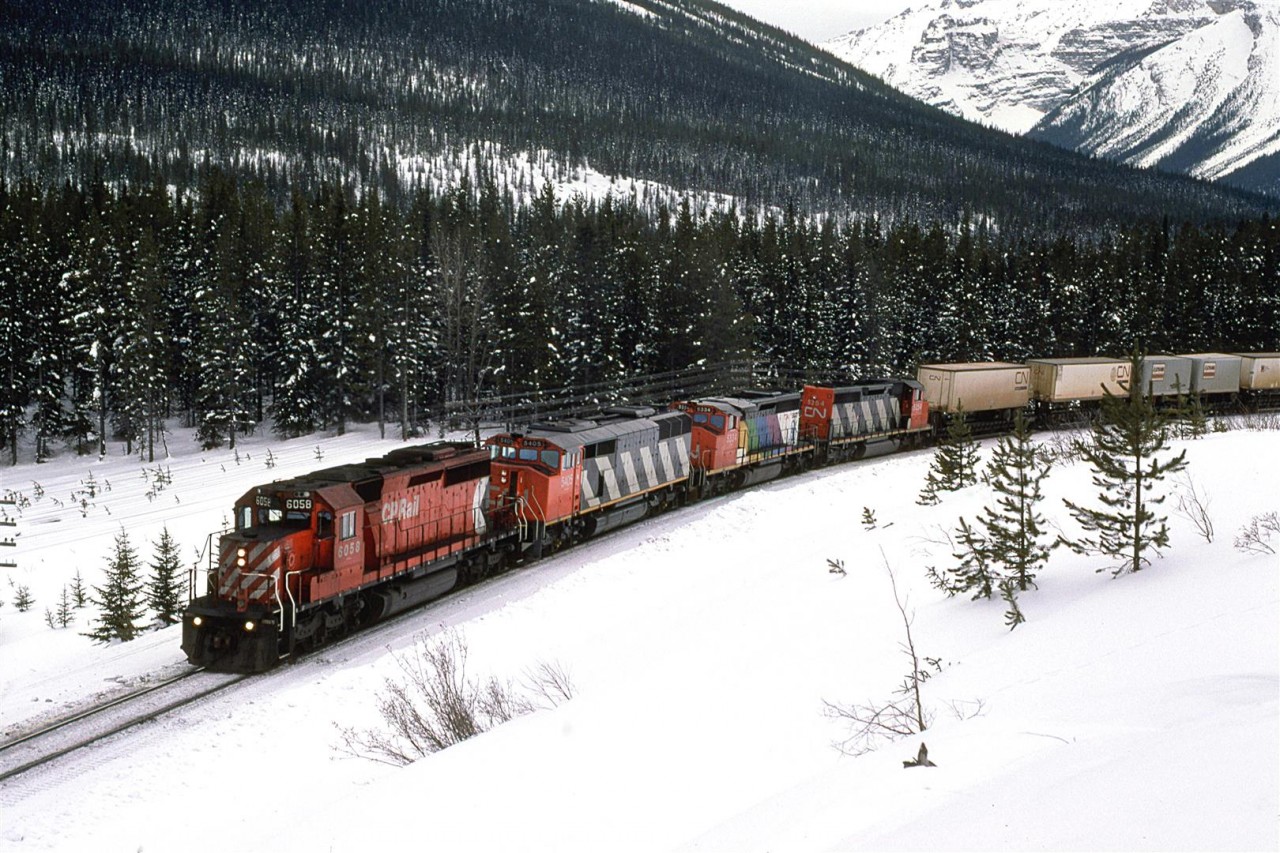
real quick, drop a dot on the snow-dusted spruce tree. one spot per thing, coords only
(120, 598)
(22, 599)
(142, 367)
(65, 614)
(1015, 530)
(164, 589)
(1129, 453)
(78, 594)
(955, 461)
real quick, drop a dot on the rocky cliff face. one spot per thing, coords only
(1112, 79)
(1207, 104)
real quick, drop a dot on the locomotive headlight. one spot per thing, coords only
(241, 553)
(249, 626)
(197, 621)
(240, 562)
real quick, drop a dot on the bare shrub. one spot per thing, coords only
(435, 704)
(902, 716)
(1255, 537)
(1261, 421)
(549, 685)
(1064, 444)
(967, 709)
(1194, 506)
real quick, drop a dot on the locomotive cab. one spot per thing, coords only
(255, 586)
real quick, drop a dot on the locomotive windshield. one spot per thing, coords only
(713, 422)
(269, 513)
(548, 458)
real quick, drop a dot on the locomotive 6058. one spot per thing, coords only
(328, 552)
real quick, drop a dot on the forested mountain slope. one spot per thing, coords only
(402, 94)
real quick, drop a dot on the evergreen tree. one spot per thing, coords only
(65, 613)
(336, 295)
(120, 599)
(141, 367)
(295, 405)
(14, 313)
(46, 342)
(94, 294)
(78, 594)
(23, 600)
(223, 344)
(1129, 456)
(164, 592)
(955, 461)
(1014, 528)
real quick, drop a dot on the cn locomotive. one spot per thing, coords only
(324, 554)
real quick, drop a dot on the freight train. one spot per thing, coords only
(324, 554)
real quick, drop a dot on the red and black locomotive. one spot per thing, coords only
(328, 552)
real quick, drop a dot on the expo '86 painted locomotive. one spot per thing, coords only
(321, 555)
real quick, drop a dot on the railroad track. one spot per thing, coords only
(33, 749)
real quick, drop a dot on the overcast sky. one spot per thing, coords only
(820, 20)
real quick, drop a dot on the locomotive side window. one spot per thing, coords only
(348, 522)
(324, 524)
(551, 459)
(244, 521)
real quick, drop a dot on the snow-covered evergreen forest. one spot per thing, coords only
(121, 308)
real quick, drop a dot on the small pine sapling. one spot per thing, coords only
(164, 593)
(78, 594)
(65, 613)
(868, 518)
(1129, 455)
(120, 598)
(955, 461)
(22, 599)
(1014, 528)
(1197, 422)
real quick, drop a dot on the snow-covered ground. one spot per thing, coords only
(1138, 712)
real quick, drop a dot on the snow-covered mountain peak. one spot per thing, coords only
(1008, 62)
(1013, 63)
(1207, 104)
